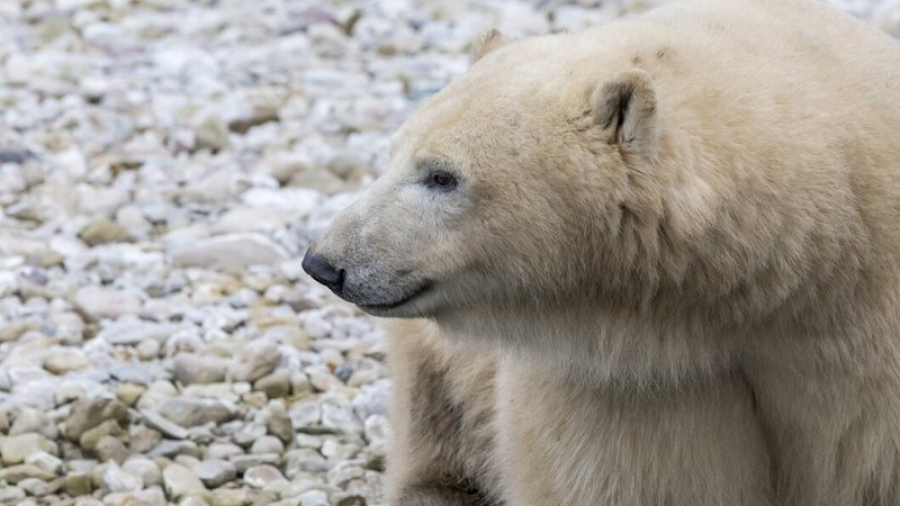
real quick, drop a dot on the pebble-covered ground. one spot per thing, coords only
(163, 165)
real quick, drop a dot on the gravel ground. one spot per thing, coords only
(163, 164)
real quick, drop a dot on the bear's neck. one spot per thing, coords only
(599, 346)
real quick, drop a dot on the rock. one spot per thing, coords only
(249, 434)
(280, 426)
(291, 203)
(244, 462)
(118, 480)
(274, 385)
(14, 449)
(104, 231)
(129, 393)
(320, 180)
(322, 380)
(228, 252)
(78, 484)
(305, 414)
(145, 469)
(17, 473)
(36, 487)
(65, 360)
(231, 497)
(12, 332)
(190, 369)
(148, 349)
(11, 496)
(263, 476)
(211, 133)
(109, 448)
(172, 449)
(377, 430)
(180, 482)
(157, 393)
(267, 444)
(45, 461)
(33, 420)
(142, 439)
(340, 418)
(223, 451)
(91, 438)
(214, 473)
(101, 302)
(169, 428)
(192, 501)
(314, 498)
(130, 333)
(192, 411)
(257, 359)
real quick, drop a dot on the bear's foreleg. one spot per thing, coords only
(834, 424)
(442, 415)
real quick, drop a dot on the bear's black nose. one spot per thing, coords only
(322, 271)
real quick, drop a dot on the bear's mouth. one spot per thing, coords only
(380, 308)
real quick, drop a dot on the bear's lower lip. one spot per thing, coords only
(394, 305)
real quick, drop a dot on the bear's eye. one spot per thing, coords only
(441, 180)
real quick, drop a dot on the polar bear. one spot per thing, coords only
(653, 263)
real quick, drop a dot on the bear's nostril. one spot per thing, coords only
(323, 271)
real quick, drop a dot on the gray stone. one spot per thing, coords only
(228, 252)
(279, 425)
(263, 476)
(104, 231)
(37, 487)
(156, 421)
(214, 473)
(33, 420)
(274, 385)
(118, 480)
(102, 302)
(190, 369)
(134, 333)
(180, 482)
(314, 498)
(249, 434)
(111, 449)
(267, 444)
(305, 460)
(89, 412)
(340, 418)
(11, 496)
(145, 469)
(142, 439)
(17, 473)
(129, 393)
(170, 449)
(45, 461)
(65, 360)
(91, 438)
(257, 359)
(221, 450)
(78, 484)
(14, 449)
(244, 462)
(192, 411)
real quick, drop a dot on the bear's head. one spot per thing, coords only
(510, 190)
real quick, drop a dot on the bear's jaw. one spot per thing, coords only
(395, 308)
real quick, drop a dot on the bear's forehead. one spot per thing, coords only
(491, 98)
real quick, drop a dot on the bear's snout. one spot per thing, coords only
(323, 271)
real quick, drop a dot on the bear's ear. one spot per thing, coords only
(625, 107)
(487, 42)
